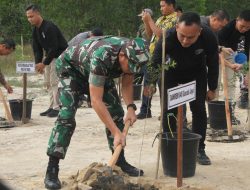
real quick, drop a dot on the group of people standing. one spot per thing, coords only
(88, 64)
(193, 46)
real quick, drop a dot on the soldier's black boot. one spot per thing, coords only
(127, 168)
(51, 180)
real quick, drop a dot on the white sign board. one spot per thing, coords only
(181, 94)
(25, 67)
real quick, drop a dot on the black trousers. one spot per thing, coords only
(198, 108)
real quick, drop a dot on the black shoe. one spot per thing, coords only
(46, 112)
(127, 168)
(144, 115)
(202, 158)
(131, 170)
(53, 113)
(51, 180)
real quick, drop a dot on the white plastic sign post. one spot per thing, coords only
(25, 67)
(181, 94)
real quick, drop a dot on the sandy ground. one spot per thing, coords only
(23, 158)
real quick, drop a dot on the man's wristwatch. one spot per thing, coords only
(132, 106)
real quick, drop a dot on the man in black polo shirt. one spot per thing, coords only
(216, 21)
(194, 52)
(236, 35)
(46, 37)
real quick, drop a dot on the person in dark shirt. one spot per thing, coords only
(46, 37)
(216, 21)
(84, 35)
(194, 52)
(236, 35)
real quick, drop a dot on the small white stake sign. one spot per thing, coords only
(181, 94)
(25, 67)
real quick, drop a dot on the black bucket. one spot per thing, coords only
(169, 153)
(217, 114)
(137, 91)
(16, 108)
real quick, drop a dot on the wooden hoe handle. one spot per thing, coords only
(6, 107)
(227, 110)
(118, 149)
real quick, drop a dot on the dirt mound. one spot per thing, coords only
(101, 177)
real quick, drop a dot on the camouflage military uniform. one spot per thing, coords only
(94, 61)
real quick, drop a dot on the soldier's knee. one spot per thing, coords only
(69, 123)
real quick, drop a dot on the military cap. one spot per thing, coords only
(137, 53)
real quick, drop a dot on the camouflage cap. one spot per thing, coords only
(137, 52)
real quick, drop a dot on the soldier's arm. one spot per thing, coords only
(96, 95)
(127, 94)
(97, 78)
(127, 88)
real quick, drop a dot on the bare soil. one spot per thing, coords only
(23, 158)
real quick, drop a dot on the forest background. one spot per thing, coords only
(75, 16)
(114, 17)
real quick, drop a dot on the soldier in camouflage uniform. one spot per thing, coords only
(90, 67)
(81, 37)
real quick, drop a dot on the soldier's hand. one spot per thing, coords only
(130, 116)
(119, 138)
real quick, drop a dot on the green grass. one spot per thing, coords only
(19, 83)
